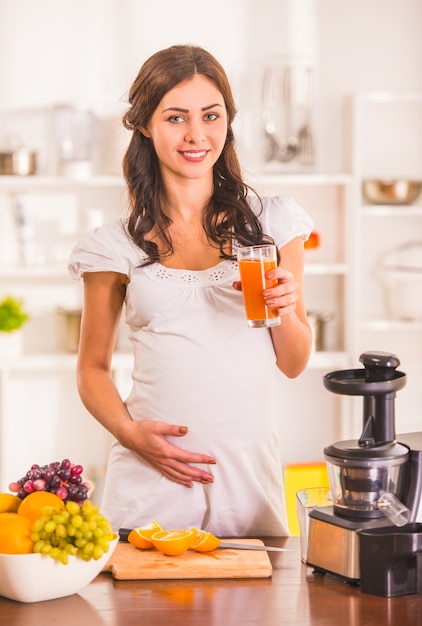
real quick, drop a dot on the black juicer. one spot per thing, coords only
(375, 481)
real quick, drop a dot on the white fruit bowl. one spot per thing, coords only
(36, 577)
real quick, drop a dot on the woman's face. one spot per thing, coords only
(188, 129)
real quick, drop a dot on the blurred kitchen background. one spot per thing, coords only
(329, 96)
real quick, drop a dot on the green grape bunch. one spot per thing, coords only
(79, 530)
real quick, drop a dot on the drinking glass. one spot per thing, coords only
(254, 264)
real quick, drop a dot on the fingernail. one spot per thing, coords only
(183, 430)
(212, 462)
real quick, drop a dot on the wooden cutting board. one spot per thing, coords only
(130, 563)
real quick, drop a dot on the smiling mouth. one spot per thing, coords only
(194, 156)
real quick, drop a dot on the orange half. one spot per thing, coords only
(204, 541)
(173, 542)
(141, 537)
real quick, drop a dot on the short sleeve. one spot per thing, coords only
(107, 248)
(282, 218)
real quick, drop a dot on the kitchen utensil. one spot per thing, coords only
(76, 133)
(306, 145)
(70, 327)
(19, 162)
(276, 105)
(305, 135)
(391, 191)
(318, 322)
(129, 563)
(375, 480)
(287, 105)
(249, 546)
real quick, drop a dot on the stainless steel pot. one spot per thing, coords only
(70, 328)
(318, 322)
(19, 162)
(389, 191)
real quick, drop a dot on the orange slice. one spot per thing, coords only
(173, 542)
(204, 541)
(141, 537)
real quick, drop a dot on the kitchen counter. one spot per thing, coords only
(293, 596)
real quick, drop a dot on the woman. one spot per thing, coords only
(196, 440)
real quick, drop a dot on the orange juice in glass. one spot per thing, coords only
(254, 264)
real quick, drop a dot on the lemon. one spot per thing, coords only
(9, 503)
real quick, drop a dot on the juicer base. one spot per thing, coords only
(333, 543)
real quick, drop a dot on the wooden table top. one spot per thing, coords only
(293, 596)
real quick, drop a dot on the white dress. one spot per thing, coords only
(197, 363)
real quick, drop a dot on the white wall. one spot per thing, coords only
(91, 50)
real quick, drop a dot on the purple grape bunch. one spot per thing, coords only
(60, 477)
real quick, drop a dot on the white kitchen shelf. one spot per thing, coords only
(325, 360)
(389, 97)
(369, 210)
(55, 361)
(33, 273)
(286, 180)
(334, 269)
(395, 326)
(58, 182)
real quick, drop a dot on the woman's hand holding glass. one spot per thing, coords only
(283, 296)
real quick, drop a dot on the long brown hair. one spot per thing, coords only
(228, 215)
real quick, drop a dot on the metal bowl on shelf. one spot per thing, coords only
(391, 191)
(19, 162)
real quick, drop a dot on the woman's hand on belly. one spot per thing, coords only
(149, 439)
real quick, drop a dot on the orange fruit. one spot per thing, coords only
(9, 503)
(15, 534)
(32, 506)
(141, 537)
(204, 541)
(173, 542)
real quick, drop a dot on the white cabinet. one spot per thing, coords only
(387, 133)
